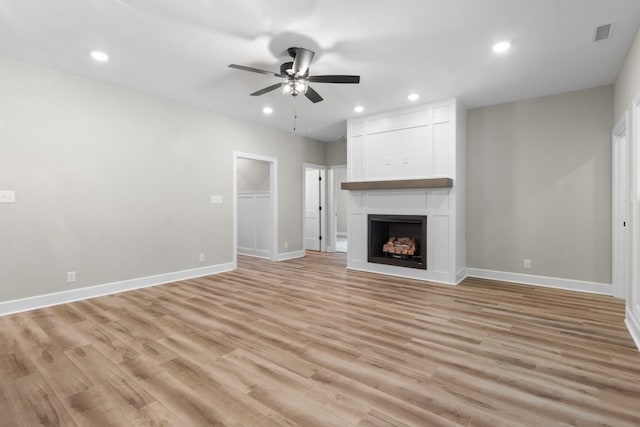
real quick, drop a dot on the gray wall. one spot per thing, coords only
(114, 184)
(627, 84)
(253, 175)
(539, 186)
(336, 153)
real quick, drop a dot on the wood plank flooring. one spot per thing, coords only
(306, 342)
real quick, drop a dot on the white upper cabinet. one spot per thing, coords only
(417, 142)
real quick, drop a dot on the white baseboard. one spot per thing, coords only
(461, 275)
(549, 282)
(254, 253)
(633, 324)
(291, 255)
(47, 300)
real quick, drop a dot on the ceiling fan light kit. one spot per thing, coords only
(294, 87)
(296, 75)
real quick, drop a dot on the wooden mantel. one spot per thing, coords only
(398, 184)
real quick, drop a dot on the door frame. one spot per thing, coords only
(323, 203)
(632, 318)
(633, 293)
(273, 195)
(333, 190)
(620, 226)
(331, 209)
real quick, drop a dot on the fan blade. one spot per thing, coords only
(301, 60)
(254, 70)
(312, 95)
(266, 90)
(334, 79)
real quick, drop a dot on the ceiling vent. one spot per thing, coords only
(602, 32)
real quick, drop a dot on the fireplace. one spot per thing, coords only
(398, 240)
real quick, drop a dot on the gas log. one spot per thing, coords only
(400, 246)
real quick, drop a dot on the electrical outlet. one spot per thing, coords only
(286, 245)
(71, 276)
(216, 199)
(201, 257)
(526, 263)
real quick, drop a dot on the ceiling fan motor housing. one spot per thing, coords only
(286, 69)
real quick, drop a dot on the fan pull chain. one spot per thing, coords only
(295, 114)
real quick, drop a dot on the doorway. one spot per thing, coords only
(255, 205)
(314, 200)
(340, 205)
(620, 209)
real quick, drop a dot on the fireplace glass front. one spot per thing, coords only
(398, 240)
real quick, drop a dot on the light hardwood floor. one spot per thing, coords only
(306, 342)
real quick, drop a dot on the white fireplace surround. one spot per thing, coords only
(425, 141)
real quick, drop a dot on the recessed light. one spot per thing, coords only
(413, 97)
(358, 108)
(267, 110)
(99, 56)
(501, 47)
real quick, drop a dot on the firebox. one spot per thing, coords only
(399, 240)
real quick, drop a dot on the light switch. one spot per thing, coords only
(7, 196)
(216, 199)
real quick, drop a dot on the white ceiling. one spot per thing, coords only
(180, 50)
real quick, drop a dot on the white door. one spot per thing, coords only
(312, 209)
(620, 213)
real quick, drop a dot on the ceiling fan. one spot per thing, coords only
(296, 76)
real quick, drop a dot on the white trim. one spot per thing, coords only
(273, 176)
(621, 126)
(632, 319)
(291, 255)
(402, 276)
(633, 291)
(46, 300)
(403, 272)
(633, 324)
(254, 254)
(546, 281)
(254, 193)
(620, 185)
(462, 274)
